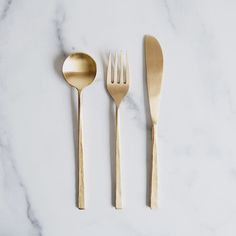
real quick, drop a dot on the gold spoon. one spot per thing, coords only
(79, 70)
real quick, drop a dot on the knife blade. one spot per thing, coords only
(154, 67)
(154, 71)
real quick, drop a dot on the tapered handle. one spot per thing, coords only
(118, 202)
(154, 171)
(80, 197)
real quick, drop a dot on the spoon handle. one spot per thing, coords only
(154, 170)
(81, 204)
(118, 202)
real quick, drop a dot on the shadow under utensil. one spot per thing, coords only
(105, 57)
(148, 131)
(58, 63)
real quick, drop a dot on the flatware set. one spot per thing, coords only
(79, 70)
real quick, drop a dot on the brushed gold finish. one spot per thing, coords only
(79, 70)
(118, 86)
(154, 166)
(154, 70)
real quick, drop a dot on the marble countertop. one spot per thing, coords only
(196, 133)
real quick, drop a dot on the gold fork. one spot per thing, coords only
(118, 87)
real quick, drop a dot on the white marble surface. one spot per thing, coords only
(38, 115)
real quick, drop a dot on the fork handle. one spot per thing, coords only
(80, 197)
(154, 171)
(118, 202)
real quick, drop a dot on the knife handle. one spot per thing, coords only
(154, 171)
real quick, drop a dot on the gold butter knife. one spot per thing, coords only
(154, 70)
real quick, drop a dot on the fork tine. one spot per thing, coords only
(115, 69)
(127, 75)
(109, 70)
(121, 68)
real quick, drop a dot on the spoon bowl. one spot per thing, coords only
(79, 70)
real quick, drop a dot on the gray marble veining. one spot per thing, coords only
(6, 7)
